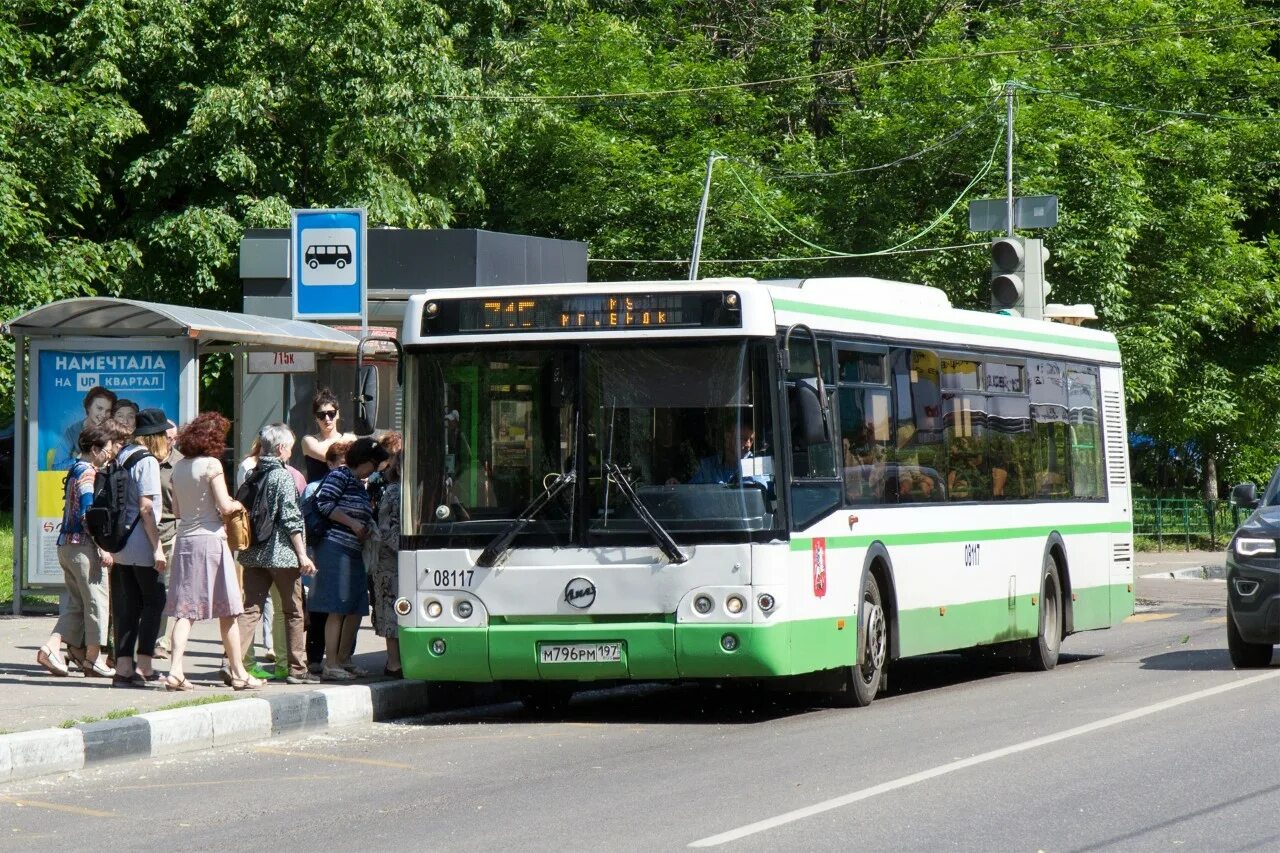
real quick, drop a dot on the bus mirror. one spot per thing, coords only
(810, 413)
(1245, 495)
(366, 400)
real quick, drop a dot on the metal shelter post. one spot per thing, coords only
(19, 465)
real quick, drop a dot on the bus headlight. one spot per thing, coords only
(1253, 547)
(703, 604)
(434, 609)
(403, 606)
(729, 642)
(437, 647)
(463, 609)
(766, 602)
(734, 604)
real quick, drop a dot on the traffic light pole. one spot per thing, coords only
(1008, 152)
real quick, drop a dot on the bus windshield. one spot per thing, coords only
(689, 426)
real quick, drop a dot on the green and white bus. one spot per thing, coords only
(737, 479)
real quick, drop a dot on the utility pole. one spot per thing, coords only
(1008, 152)
(702, 216)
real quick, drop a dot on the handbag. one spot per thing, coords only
(238, 536)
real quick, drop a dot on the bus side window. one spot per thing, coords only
(815, 487)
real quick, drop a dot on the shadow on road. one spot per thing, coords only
(715, 703)
(1190, 660)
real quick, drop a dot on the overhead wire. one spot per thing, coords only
(915, 155)
(982, 173)
(887, 63)
(685, 261)
(1073, 96)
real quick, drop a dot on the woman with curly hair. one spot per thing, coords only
(202, 580)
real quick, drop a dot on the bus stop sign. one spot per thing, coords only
(327, 266)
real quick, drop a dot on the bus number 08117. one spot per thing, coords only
(447, 578)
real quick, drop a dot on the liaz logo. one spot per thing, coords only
(819, 567)
(580, 593)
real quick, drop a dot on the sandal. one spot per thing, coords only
(388, 672)
(335, 674)
(356, 672)
(250, 683)
(181, 685)
(119, 680)
(79, 656)
(49, 660)
(99, 669)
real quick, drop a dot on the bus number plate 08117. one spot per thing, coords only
(579, 652)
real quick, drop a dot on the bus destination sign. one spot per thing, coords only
(596, 312)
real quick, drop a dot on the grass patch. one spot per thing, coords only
(38, 602)
(200, 700)
(110, 715)
(123, 713)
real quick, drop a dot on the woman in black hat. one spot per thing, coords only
(137, 593)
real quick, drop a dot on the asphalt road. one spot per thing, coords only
(1142, 739)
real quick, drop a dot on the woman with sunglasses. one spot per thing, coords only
(324, 406)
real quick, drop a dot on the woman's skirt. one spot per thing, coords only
(341, 584)
(202, 579)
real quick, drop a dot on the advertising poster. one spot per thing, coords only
(64, 381)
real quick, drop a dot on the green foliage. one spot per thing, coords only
(139, 139)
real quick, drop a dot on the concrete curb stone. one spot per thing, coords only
(45, 751)
(24, 755)
(179, 729)
(115, 740)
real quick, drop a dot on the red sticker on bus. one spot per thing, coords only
(819, 567)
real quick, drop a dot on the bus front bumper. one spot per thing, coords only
(651, 651)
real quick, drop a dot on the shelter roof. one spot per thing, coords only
(128, 318)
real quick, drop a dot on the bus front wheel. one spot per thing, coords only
(869, 675)
(1042, 652)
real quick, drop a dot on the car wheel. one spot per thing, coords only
(1245, 655)
(1042, 652)
(866, 678)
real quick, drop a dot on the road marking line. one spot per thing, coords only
(961, 764)
(57, 807)
(1149, 617)
(324, 756)
(214, 782)
(1216, 620)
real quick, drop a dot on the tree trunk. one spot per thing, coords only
(1209, 481)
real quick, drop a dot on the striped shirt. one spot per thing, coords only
(79, 497)
(342, 490)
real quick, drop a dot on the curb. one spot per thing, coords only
(26, 755)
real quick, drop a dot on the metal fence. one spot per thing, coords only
(1184, 522)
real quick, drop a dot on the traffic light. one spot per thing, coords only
(1035, 292)
(1008, 270)
(1018, 285)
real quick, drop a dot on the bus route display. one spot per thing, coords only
(582, 313)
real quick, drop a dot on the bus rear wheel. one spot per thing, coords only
(1042, 652)
(869, 675)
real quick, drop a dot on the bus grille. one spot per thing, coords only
(1117, 447)
(1121, 552)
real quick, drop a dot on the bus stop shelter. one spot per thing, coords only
(145, 352)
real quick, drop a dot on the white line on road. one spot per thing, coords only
(961, 764)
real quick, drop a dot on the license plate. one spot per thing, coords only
(579, 652)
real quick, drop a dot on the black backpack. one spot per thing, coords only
(252, 494)
(105, 518)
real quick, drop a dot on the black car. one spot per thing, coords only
(1253, 577)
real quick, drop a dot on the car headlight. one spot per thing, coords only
(1252, 547)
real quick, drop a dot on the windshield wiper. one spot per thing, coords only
(503, 540)
(664, 540)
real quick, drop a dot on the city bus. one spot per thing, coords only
(794, 482)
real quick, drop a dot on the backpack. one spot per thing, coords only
(252, 494)
(315, 522)
(105, 518)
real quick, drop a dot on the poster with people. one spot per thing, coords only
(73, 389)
